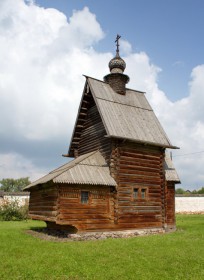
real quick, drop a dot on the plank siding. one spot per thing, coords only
(138, 166)
(97, 213)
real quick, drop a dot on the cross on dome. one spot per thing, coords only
(117, 44)
(117, 64)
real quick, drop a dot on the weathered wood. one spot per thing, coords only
(134, 166)
(170, 204)
(137, 166)
(72, 211)
(43, 203)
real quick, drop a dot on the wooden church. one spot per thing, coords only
(120, 177)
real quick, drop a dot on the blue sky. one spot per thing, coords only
(169, 31)
(47, 45)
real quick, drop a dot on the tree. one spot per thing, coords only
(14, 185)
(194, 192)
(201, 191)
(180, 191)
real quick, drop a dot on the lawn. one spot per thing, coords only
(179, 255)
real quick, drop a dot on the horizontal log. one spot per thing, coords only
(41, 217)
(135, 160)
(139, 171)
(42, 203)
(82, 217)
(137, 179)
(40, 192)
(44, 213)
(140, 166)
(83, 108)
(84, 211)
(143, 155)
(80, 206)
(131, 146)
(42, 208)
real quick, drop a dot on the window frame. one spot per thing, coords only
(140, 191)
(88, 198)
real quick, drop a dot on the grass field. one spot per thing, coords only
(179, 255)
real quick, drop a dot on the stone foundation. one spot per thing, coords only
(114, 234)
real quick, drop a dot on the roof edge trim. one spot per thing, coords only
(143, 142)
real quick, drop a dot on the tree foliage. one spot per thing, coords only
(14, 185)
(201, 191)
(182, 191)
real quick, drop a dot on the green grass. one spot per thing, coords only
(179, 255)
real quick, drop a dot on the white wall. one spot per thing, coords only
(190, 204)
(22, 199)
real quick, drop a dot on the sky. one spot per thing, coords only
(46, 47)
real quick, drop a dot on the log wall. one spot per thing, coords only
(97, 214)
(138, 167)
(92, 135)
(43, 203)
(89, 130)
(170, 204)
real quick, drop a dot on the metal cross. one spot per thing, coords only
(117, 44)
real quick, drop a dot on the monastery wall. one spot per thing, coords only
(22, 198)
(189, 204)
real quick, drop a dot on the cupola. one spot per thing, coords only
(116, 79)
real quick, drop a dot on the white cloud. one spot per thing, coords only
(43, 56)
(183, 120)
(125, 47)
(15, 166)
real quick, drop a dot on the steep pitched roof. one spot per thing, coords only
(170, 171)
(128, 116)
(90, 169)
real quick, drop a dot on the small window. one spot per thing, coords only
(143, 193)
(140, 193)
(135, 193)
(84, 197)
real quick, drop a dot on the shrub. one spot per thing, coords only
(12, 211)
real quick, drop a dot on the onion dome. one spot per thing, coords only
(117, 64)
(116, 79)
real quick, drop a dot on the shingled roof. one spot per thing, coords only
(170, 171)
(128, 116)
(89, 169)
(92, 169)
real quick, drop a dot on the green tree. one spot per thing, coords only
(201, 191)
(14, 185)
(194, 192)
(180, 191)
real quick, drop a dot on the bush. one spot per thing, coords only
(12, 211)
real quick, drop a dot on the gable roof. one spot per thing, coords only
(128, 116)
(170, 171)
(90, 169)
